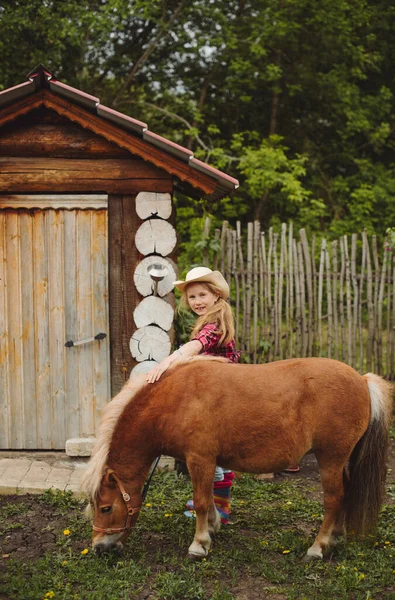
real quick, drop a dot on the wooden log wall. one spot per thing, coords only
(295, 297)
(155, 240)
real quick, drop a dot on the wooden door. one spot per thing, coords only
(53, 290)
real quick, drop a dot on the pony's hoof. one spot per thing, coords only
(214, 529)
(312, 556)
(195, 557)
(197, 552)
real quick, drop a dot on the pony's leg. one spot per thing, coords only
(214, 519)
(332, 484)
(339, 528)
(202, 475)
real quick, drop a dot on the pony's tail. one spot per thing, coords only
(367, 469)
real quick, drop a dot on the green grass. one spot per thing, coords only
(273, 525)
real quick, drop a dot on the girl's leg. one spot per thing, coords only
(222, 492)
(223, 481)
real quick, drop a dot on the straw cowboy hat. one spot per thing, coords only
(205, 275)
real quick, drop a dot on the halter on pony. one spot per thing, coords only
(131, 511)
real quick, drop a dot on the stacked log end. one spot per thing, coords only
(153, 316)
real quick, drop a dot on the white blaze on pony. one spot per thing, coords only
(252, 418)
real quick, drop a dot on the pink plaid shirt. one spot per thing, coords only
(209, 338)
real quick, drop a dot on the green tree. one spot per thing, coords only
(293, 97)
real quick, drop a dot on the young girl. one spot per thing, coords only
(205, 292)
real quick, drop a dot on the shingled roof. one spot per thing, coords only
(42, 78)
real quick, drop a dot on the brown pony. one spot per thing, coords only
(253, 418)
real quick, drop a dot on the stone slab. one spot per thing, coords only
(40, 488)
(58, 476)
(15, 473)
(8, 488)
(39, 471)
(80, 446)
(5, 463)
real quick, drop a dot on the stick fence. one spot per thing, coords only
(292, 298)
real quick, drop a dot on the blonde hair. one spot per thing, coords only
(221, 314)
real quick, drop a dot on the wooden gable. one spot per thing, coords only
(173, 169)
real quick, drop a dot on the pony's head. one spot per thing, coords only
(114, 512)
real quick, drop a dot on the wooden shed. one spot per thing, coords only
(85, 195)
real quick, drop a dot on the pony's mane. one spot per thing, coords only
(93, 475)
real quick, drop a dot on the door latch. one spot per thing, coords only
(98, 336)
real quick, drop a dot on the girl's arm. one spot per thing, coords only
(189, 349)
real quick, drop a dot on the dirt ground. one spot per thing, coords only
(41, 523)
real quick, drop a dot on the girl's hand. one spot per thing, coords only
(155, 373)
(189, 349)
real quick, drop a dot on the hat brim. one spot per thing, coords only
(215, 277)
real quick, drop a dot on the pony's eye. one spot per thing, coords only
(106, 509)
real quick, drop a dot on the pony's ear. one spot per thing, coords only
(108, 478)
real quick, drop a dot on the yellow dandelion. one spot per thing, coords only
(286, 551)
(49, 595)
(64, 563)
(168, 514)
(148, 504)
(84, 551)
(289, 502)
(204, 560)
(66, 532)
(361, 576)
(387, 543)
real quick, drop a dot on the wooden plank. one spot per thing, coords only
(309, 283)
(380, 362)
(355, 299)
(243, 283)
(54, 201)
(5, 436)
(341, 300)
(320, 294)
(280, 288)
(291, 290)
(298, 317)
(392, 372)
(101, 358)
(77, 175)
(334, 296)
(13, 253)
(256, 235)
(15, 110)
(369, 294)
(302, 299)
(329, 302)
(71, 325)
(56, 325)
(44, 133)
(360, 310)
(28, 362)
(348, 296)
(388, 317)
(43, 367)
(85, 322)
(123, 297)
